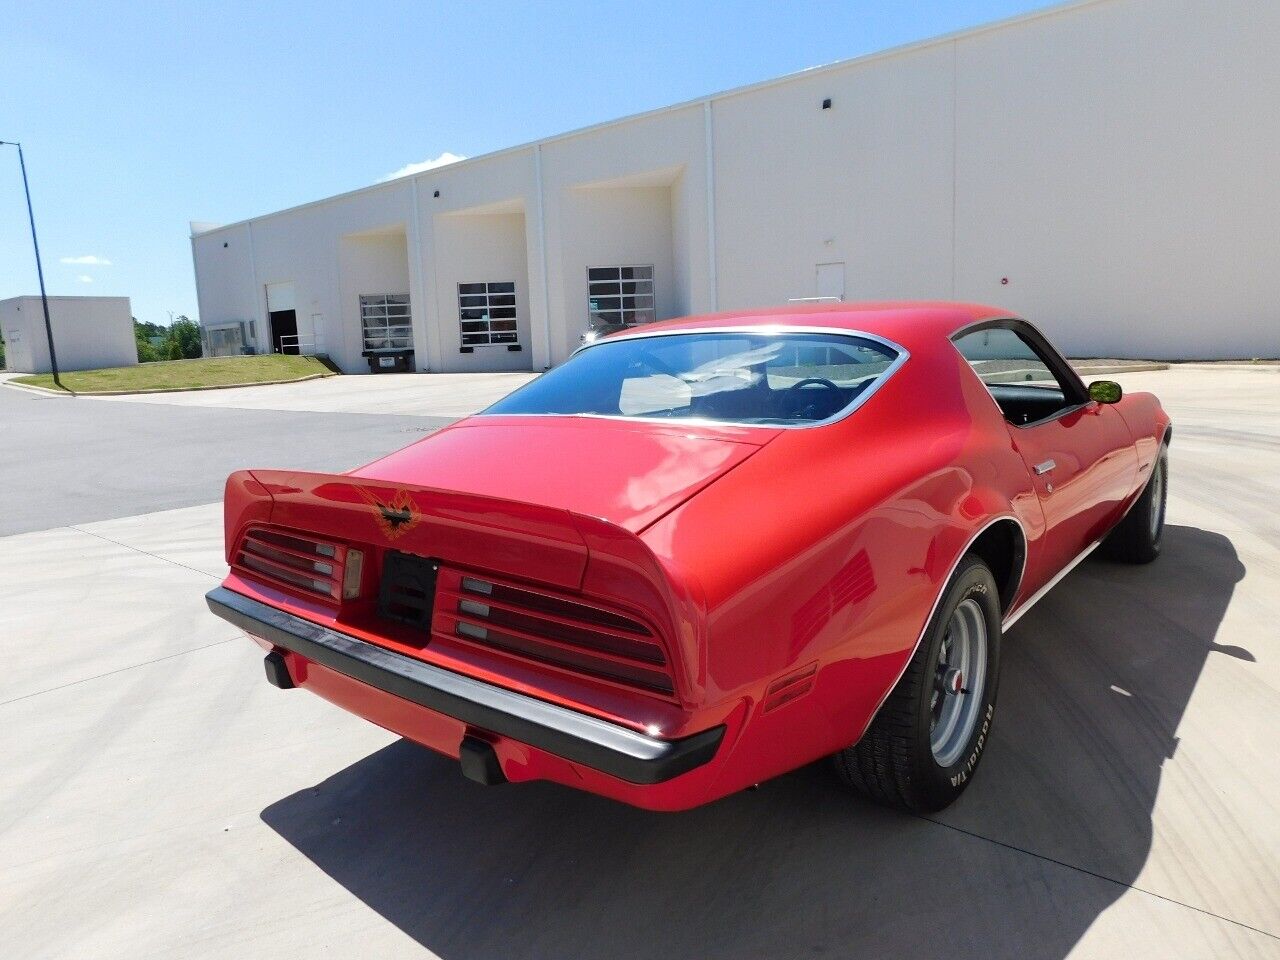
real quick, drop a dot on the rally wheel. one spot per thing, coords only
(922, 748)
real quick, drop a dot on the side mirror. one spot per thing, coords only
(1105, 391)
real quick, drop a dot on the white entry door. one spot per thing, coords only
(829, 281)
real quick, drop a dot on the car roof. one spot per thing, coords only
(908, 323)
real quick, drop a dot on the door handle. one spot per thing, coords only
(1043, 468)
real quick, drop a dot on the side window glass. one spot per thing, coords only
(1002, 356)
(1022, 384)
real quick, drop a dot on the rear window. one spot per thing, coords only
(776, 378)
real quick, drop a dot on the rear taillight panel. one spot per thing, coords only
(300, 562)
(418, 603)
(566, 635)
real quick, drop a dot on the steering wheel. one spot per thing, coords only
(820, 381)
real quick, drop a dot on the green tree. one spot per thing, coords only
(145, 331)
(183, 340)
(146, 352)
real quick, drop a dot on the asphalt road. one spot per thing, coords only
(73, 460)
(159, 799)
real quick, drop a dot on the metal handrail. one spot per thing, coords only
(304, 345)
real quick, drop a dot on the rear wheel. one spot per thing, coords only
(925, 743)
(1136, 538)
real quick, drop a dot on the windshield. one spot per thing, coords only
(773, 378)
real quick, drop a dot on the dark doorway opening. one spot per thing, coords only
(284, 331)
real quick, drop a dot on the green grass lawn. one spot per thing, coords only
(185, 374)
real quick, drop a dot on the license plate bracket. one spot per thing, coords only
(407, 590)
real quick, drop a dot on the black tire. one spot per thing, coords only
(894, 763)
(1136, 538)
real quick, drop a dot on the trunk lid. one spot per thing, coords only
(629, 474)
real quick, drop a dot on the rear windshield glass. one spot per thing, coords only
(783, 378)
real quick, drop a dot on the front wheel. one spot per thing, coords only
(923, 746)
(1136, 538)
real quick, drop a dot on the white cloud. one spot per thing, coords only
(408, 169)
(84, 279)
(88, 260)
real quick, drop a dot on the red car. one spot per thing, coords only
(704, 552)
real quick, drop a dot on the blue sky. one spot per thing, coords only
(138, 117)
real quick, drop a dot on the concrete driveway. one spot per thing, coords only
(159, 799)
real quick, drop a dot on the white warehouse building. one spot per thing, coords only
(89, 333)
(1109, 169)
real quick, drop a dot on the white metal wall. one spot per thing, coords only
(1106, 169)
(89, 333)
(481, 248)
(1118, 165)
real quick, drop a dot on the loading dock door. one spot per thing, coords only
(284, 318)
(284, 331)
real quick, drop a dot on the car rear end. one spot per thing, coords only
(527, 641)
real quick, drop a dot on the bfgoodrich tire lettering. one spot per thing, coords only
(897, 761)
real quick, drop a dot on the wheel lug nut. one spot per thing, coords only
(951, 681)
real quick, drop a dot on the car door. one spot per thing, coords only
(1079, 453)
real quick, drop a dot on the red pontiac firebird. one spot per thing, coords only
(704, 552)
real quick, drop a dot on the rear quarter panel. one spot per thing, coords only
(826, 551)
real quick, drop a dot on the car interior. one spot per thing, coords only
(1022, 403)
(731, 377)
(810, 399)
(1020, 376)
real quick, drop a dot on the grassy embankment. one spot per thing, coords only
(185, 374)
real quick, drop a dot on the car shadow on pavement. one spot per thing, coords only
(1095, 682)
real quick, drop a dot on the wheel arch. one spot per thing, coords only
(1004, 525)
(1002, 546)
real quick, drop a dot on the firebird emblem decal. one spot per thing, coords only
(396, 516)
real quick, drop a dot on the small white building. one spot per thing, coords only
(89, 333)
(1107, 168)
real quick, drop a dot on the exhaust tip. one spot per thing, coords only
(480, 762)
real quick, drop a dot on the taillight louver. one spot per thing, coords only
(553, 631)
(293, 560)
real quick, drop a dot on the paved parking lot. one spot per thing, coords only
(409, 394)
(159, 799)
(70, 460)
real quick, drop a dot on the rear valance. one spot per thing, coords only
(608, 747)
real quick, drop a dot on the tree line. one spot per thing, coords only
(179, 341)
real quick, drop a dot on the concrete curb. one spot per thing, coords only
(1126, 368)
(122, 393)
(31, 388)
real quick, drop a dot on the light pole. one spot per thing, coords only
(44, 299)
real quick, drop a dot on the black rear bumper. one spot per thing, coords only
(608, 747)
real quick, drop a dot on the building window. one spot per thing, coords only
(385, 320)
(487, 313)
(619, 296)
